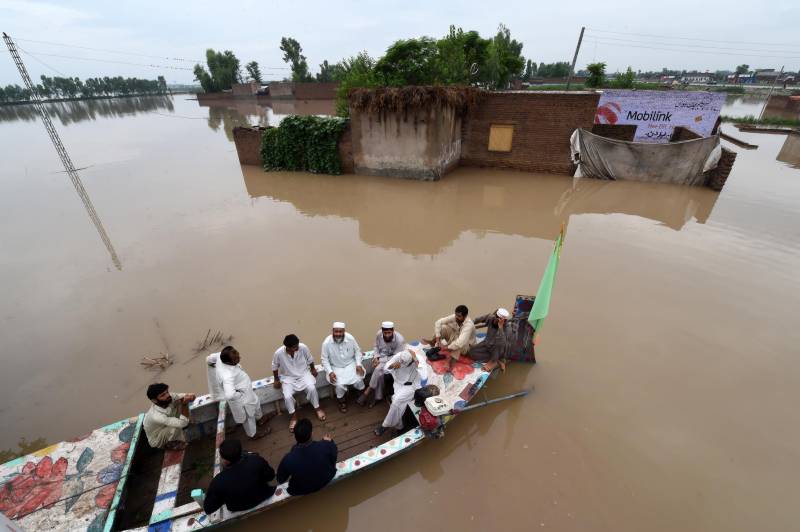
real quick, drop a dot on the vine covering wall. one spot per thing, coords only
(304, 143)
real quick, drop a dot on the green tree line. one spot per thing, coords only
(65, 87)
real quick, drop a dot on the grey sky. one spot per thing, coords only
(332, 30)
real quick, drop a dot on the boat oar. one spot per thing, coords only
(521, 393)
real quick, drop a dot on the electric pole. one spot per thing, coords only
(575, 57)
(61, 150)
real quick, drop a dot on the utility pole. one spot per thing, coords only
(575, 57)
(61, 150)
(766, 102)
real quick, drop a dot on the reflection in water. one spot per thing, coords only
(419, 218)
(790, 151)
(80, 110)
(252, 112)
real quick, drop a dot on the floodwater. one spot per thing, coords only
(666, 393)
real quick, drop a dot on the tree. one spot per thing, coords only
(624, 80)
(597, 75)
(325, 72)
(223, 71)
(162, 84)
(410, 62)
(742, 69)
(505, 61)
(293, 55)
(357, 71)
(530, 70)
(461, 56)
(254, 71)
(553, 70)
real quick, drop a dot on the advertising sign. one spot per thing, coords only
(657, 113)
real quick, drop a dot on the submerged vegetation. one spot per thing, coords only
(304, 143)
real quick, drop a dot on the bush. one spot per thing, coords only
(304, 143)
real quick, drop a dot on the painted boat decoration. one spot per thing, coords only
(110, 479)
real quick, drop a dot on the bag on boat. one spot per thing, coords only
(433, 355)
(423, 393)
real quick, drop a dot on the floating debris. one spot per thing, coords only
(217, 339)
(161, 362)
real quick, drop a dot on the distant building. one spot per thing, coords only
(696, 78)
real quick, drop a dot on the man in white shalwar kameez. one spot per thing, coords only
(387, 343)
(294, 371)
(341, 358)
(234, 385)
(409, 375)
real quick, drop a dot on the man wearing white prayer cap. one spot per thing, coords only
(493, 350)
(387, 343)
(341, 358)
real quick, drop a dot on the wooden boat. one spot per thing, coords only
(111, 479)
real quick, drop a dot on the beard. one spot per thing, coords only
(164, 404)
(338, 339)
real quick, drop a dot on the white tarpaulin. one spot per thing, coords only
(657, 113)
(680, 163)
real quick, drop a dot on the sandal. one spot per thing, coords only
(321, 415)
(292, 423)
(343, 407)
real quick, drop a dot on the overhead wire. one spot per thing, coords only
(110, 51)
(41, 62)
(678, 37)
(738, 54)
(170, 67)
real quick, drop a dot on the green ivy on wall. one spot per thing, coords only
(304, 143)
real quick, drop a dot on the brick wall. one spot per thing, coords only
(543, 123)
(248, 144)
(304, 91)
(614, 131)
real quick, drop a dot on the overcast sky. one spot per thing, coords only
(763, 35)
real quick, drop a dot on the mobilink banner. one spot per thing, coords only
(657, 113)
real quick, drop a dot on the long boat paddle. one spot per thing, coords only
(521, 393)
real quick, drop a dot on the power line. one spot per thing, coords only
(114, 61)
(676, 37)
(110, 51)
(693, 46)
(738, 54)
(42, 62)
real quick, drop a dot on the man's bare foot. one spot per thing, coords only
(362, 399)
(262, 421)
(321, 414)
(502, 365)
(489, 366)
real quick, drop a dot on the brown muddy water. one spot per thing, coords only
(666, 392)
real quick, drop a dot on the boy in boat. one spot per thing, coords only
(387, 343)
(310, 465)
(409, 375)
(341, 358)
(243, 483)
(166, 419)
(455, 333)
(234, 384)
(494, 348)
(294, 371)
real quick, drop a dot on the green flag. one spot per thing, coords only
(541, 306)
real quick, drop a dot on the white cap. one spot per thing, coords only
(387, 325)
(502, 313)
(338, 325)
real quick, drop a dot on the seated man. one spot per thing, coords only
(494, 348)
(387, 343)
(294, 371)
(164, 422)
(243, 483)
(454, 333)
(341, 358)
(310, 465)
(409, 375)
